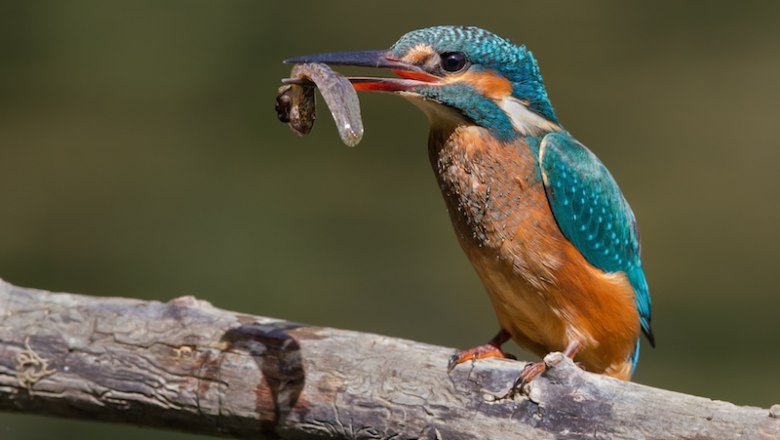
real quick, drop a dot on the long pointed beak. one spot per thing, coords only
(411, 76)
(364, 58)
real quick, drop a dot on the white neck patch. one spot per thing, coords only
(524, 120)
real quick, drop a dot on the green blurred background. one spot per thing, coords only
(141, 157)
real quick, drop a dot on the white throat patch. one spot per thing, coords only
(524, 120)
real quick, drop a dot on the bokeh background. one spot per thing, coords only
(140, 156)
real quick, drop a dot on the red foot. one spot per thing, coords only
(490, 350)
(533, 369)
(479, 352)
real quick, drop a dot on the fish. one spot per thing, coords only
(296, 102)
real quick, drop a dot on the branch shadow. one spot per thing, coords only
(278, 357)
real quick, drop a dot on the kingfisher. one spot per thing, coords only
(540, 218)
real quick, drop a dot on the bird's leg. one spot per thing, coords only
(490, 350)
(533, 369)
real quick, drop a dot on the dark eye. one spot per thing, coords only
(453, 61)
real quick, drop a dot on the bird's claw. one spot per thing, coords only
(452, 362)
(479, 352)
(530, 371)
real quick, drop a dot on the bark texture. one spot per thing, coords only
(189, 366)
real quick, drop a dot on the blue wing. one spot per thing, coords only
(593, 214)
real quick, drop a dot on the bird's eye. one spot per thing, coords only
(453, 61)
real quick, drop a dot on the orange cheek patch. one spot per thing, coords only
(487, 83)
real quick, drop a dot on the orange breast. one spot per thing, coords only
(544, 292)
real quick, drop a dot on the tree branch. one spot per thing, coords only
(189, 366)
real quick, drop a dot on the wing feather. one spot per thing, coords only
(593, 214)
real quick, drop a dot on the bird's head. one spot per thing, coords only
(466, 71)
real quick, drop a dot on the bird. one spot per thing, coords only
(541, 219)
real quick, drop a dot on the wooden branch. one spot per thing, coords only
(188, 366)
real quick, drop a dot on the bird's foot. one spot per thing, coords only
(533, 369)
(530, 371)
(480, 352)
(490, 350)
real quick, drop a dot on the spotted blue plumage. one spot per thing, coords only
(593, 214)
(486, 50)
